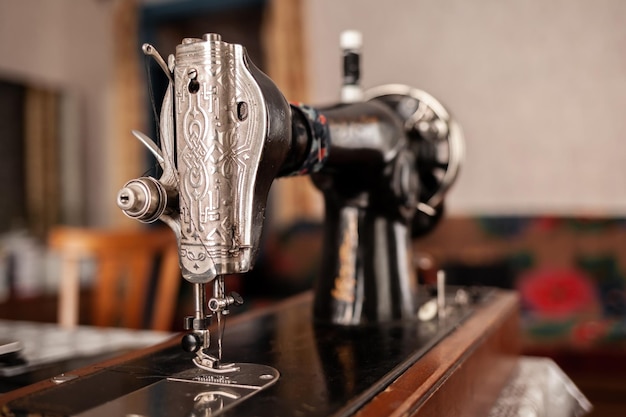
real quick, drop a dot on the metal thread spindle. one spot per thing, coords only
(350, 43)
(441, 293)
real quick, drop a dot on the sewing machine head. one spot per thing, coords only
(227, 132)
(218, 122)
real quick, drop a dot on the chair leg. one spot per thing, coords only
(68, 294)
(167, 291)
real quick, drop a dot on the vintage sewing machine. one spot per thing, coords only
(367, 341)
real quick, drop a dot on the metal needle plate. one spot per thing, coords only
(194, 392)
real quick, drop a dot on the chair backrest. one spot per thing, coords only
(126, 263)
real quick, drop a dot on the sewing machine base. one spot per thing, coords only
(454, 366)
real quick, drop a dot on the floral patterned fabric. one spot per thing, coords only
(570, 272)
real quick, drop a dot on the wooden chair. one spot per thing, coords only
(125, 265)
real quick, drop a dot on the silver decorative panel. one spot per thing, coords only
(220, 126)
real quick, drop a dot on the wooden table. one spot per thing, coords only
(386, 370)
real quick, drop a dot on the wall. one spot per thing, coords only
(67, 45)
(539, 88)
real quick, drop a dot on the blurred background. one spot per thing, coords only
(538, 87)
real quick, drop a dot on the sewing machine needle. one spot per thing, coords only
(220, 335)
(218, 293)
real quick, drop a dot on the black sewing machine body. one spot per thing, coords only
(228, 133)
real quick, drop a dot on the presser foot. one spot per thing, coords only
(213, 364)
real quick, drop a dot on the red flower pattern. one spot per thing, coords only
(557, 293)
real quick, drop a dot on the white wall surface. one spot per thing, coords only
(539, 88)
(67, 45)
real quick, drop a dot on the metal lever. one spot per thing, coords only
(151, 145)
(218, 305)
